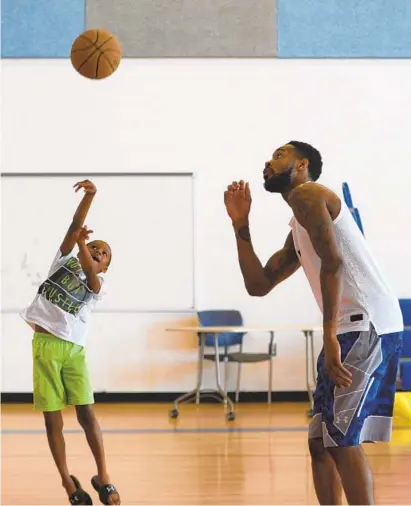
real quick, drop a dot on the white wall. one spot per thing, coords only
(222, 120)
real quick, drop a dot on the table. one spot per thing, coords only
(219, 393)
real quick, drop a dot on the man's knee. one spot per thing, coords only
(341, 454)
(317, 450)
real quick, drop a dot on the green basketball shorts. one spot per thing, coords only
(60, 374)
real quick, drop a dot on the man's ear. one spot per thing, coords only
(302, 165)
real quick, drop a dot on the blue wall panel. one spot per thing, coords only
(344, 28)
(40, 28)
(305, 28)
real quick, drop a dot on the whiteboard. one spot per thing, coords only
(147, 219)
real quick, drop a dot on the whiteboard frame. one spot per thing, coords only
(90, 175)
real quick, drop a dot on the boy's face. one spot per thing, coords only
(101, 253)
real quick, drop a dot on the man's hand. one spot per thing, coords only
(82, 234)
(237, 200)
(89, 187)
(335, 369)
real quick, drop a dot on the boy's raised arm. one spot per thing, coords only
(79, 217)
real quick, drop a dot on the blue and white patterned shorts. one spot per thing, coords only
(363, 411)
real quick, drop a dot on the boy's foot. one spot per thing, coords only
(75, 493)
(107, 492)
(70, 486)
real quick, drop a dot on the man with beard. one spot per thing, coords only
(362, 320)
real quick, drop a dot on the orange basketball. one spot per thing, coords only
(96, 54)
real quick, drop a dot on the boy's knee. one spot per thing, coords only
(85, 416)
(54, 422)
(317, 450)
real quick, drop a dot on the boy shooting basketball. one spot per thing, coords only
(362, 320)
(59, 316)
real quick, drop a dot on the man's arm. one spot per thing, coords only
(79, 217)
(311, 211)
(259, 280)
(86, 260)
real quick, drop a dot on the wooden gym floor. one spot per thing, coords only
(261, 458)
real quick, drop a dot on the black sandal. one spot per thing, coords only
(104, 491)
(80, 496)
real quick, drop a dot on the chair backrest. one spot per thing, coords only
(347, 195)
(405, 305)
(222, 318)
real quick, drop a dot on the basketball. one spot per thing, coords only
(96, 54)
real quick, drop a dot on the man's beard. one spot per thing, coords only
(280, 183)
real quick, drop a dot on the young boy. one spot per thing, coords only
(59, 316)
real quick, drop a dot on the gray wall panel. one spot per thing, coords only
(188, 28)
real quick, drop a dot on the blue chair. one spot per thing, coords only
(405, 362)
(354, 211)
(229, 340)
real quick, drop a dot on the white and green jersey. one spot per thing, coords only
(64, 302)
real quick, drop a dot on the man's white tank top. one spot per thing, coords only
(366, 296)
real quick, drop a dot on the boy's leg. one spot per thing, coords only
(50, 398)
(54, 427)
(77, 382)
(88, 420)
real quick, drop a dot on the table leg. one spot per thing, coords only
(220, 389)
(313, 365)
(309, 366)
(195, 394)
(270, 382)
(219, 394)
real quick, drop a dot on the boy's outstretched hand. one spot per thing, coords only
(82, 234)
(89, 187)
(75, 233)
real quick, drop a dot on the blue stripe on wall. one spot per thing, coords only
(344, 28)
(40, 28)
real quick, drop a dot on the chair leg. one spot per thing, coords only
(270, 379)
(226, 376)
(200, 367)
(237, 390)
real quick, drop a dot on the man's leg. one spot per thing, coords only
(355, 474)
(54, 428)
(363, 411)
(342, 416)
(327, 482)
